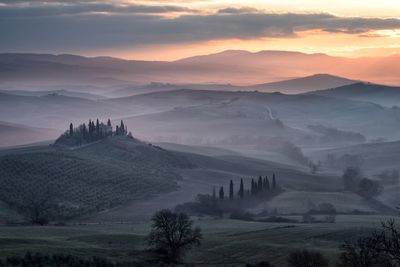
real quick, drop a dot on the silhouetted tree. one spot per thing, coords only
(90, 128)
(93, 129)
(241, 189)
(109, 123)
(172, 234)
(379, 249)
(71, 129)
(253, 187)
(117, 130)
(260, 185)
(214, 194)
(84, 131)
(221, 193)
(231, 190)
(266, 184)
(97, 128)
(273, 182)
(38, 205)
(362, 253)
(122, 128)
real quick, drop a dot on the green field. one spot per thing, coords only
(228, 242)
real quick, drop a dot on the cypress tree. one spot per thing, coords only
(273, 182)
(97, 127)
(109, 123)
(260, 185)
(71, 129)
(267, 185)
(221, 193)
(117, 130)
(253, 187)
(90, 127)
(241, 189)
(84, 132)
(231, 190)
(122, 128)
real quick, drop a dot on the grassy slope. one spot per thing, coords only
(376, 156)
(301, 187)
(94, 177)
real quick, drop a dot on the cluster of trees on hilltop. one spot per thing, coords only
(93, 131)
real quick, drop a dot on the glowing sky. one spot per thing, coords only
(167, 30)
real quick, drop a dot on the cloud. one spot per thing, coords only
(76, 8)
(81, 26)
(242, 10)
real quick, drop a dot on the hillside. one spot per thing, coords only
(304, 84)
(375, 157)
(291, 86)
(294, 111)
(61, 92)
(16, 134)
(375, 93)
(87, 179)
(51, 111)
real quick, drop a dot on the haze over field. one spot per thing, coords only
(272, 125)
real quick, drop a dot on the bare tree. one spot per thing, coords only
(172, 234)
(38, 206)
(381, 248)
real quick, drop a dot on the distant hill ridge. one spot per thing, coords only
(236, 67)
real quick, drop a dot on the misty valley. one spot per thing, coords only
(102, 165)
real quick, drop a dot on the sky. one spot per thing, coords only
(174, 29)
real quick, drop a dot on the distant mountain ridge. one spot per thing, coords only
(235, 67)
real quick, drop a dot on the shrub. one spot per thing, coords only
(369, 188)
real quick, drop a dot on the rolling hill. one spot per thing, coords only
(61, 92)
(51, 111)
(295, 111)
(291, 86)
(375, 93)
(376, 157)
(304, 84)
(87, 179)
(16, 134)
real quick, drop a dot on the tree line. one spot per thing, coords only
(260, 187)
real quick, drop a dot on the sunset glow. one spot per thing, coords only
(170, 30)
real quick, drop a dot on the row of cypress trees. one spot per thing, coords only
(259, 187)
